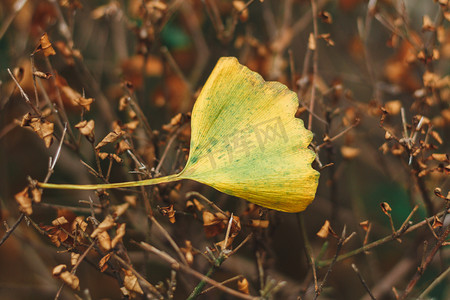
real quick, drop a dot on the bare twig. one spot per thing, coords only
(169, 238)
(427, 261)
(177, 266)
(363, 281)
(381, 241)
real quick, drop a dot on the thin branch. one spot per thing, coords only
(363, 281)
(10, 230)
(381, 241)
(24, 95)
(177, 266)
(169, 238)
(428, 260)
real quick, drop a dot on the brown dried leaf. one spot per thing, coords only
(24, 201)
(311, 42)
(74, 258)
(58, 270)
(102, 264)
(325, 17)
(122, 146)
(364, 225)
(104, 240)
(36, 194)
(83, 102)
(393, 107)
(325, 230)
(427, 24)
(386, 208)
(59, 221)
(436, 136)
(349, 152)
(42, 74)
(259, 223)
(430, 79)
(131, 199)
(440, 157)
(86, 128)
(107, 224)
(436, 223)
(131, 126)
(169, 212)
(241, 8)
(45, 46)
(70, 279)
(188, 252)
(116, 158)
(212, 224)
(120, 233)
(131, 283)
(198, 205)
(79, 223)
(120, 209)
(110, 138)
(326, 38)
(243, 286)
(43, 128)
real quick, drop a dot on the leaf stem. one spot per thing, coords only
(151, 181)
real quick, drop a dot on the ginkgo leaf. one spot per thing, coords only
(245, 142)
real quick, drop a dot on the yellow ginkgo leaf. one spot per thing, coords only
(245, 142)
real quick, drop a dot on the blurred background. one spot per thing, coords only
(131, 71)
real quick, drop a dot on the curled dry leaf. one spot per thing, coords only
(325, 17)
(70, 279)
(241, 8)
(258, 223)
(58, 270)
(59, 221)
(24, 201)
(75, 97)
(169, 212)
(243, 285)
(45, 46)
(428, 24)
(74, 258)
(386, 208)
(120, 233)
(325, 230)
(311, 42)
(436, 136)
(188, 252)
(102, 155)
(131, 199)
(42, 74)
(122, 146)
(36, 194)
(43, 128)
(349, 152)
(79, 223)
(365, 225)
(213, 224)
(102, 264)
(104, 240)
(110, 138)
(393, 107)
(107, 224)
(131, 283)
(436, 223)
(443, 157)
(86, 128)
(120, 209)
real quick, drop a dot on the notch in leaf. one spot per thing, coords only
(245, 142)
